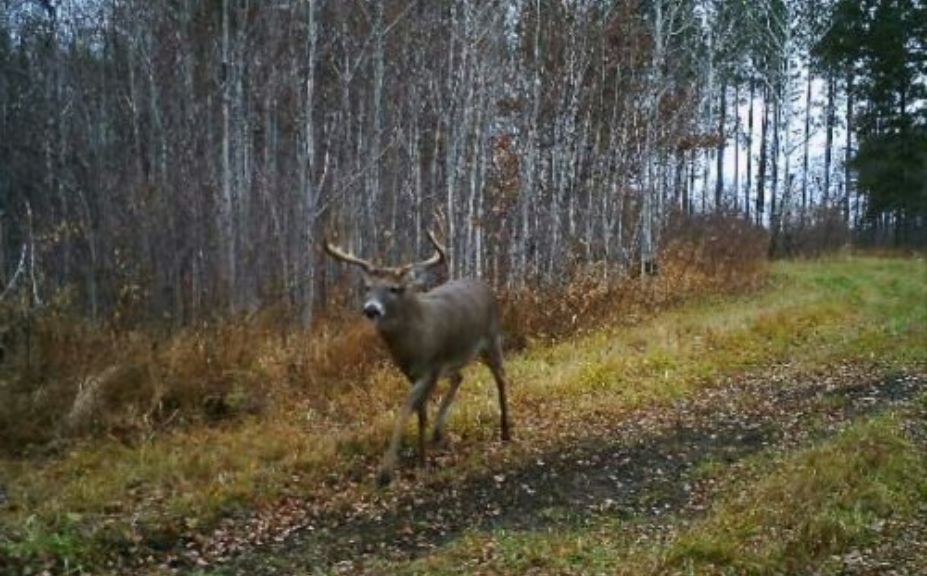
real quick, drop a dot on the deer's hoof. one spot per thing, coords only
(384, 478)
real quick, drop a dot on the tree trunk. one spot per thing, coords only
(774, 208)
(226, 210)
(376, 144)
(690, 189)
(761, 173)
(829, 142)
(849, 149)
(747, 189)
(679, 182)
(736, 198)
(722, 141)
(309, 190)
(807, 138)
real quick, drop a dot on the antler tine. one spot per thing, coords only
(440, 254)
(338, 254)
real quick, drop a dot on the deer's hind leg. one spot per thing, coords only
(493, 359)
(438, 433)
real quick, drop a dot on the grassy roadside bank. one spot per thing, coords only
(108, 497)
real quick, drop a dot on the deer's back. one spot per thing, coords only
(467, 306)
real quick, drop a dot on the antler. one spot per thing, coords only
(439, 257)
(440, 254)
(338, 254)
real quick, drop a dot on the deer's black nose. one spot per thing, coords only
(372, 310)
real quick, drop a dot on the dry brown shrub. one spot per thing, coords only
(77, 379)
(724, 251)
(35, 400)
(557, 311)
(704, 254)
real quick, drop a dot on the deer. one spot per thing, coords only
(430, 334)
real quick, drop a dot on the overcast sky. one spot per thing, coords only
(816, 143)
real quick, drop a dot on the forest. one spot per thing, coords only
(178, 162)
(697, 217)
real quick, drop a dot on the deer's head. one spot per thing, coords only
(388, 290)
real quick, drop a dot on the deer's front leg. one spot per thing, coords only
(416, 398)
(422, 424)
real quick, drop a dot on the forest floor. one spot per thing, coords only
(778, 432)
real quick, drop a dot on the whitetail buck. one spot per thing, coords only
(430, 335)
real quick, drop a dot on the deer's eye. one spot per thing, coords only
(395, 289)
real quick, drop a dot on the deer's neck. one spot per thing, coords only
(405, 335)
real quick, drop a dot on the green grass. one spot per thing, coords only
(816, 503)
(106, 494)
(784, 515)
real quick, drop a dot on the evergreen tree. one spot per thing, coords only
(882, 46)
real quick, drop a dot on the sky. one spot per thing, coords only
(796, 124)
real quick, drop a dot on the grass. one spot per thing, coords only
(108, 495)
(813, 504)
(811, 313)
(783, 515)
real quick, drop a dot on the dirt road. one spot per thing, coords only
(649, 467)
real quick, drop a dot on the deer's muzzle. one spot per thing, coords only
(373, 310)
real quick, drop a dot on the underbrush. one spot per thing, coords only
(65, 378)
(79, 380)
(709, 255)
(819, 232)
